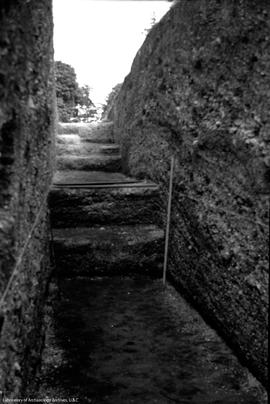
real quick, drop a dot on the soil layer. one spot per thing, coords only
(130, 340)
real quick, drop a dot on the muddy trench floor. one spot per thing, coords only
(122, 340)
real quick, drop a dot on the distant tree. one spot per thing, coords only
(66, 90)
(70, 97)
(87, 107)
(83, 97)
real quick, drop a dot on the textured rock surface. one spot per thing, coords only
(200, 87)
(26, 160)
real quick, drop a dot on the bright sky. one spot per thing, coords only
(101, 38)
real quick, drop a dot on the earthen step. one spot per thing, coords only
(91, 162)
(85, 148)
(79, 176)
(101, 132)
(81, 198)
(118, 200)
(96, 137)
(98, 132)
(108, 250)
(68, 139)
(68, 128)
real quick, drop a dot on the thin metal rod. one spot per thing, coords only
(168, 222)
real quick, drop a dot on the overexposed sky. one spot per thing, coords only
(101, 38)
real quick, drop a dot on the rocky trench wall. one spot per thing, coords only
(199, 88)
(27, 110)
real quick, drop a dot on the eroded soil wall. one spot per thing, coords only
(26, 163)
(199, 87)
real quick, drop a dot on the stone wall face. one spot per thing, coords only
(27, 106)
(199, 87)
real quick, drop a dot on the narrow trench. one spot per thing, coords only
(114, 333)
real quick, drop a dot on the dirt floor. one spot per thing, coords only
(124, 340)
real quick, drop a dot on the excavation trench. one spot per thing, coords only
(114, 333)
(197, 86)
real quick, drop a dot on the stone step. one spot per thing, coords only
(68, 128)
(112, 198)
(101, 132)
(78, 176)
(85, 148)
(68, 139)
(108, 250)
(97, 132)
(91, 162)
(96, 137)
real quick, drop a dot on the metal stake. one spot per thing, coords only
(168, 221)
